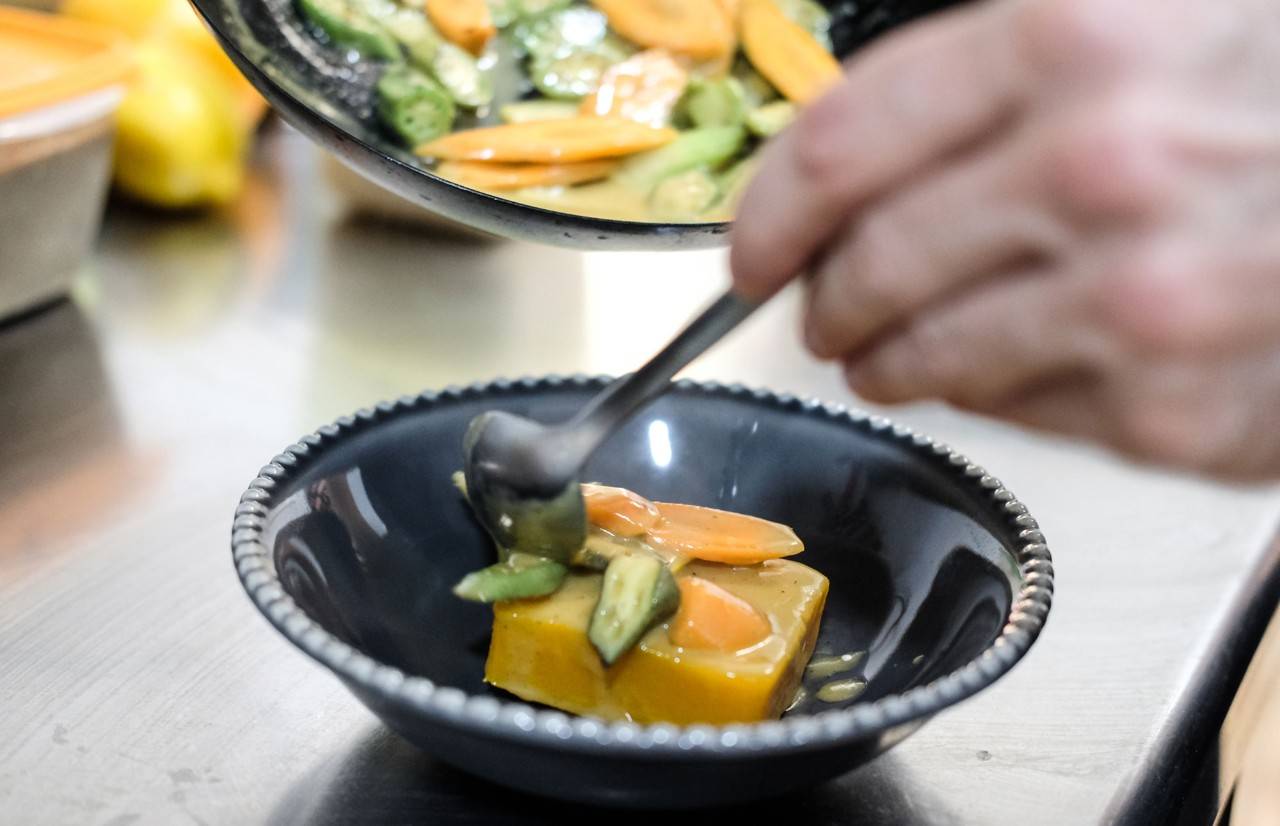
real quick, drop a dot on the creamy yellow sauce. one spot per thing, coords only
(839, 691)
(609, 199)
(829, 666)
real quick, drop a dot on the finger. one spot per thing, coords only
(977, 217)
(983, 346)
(905, 102)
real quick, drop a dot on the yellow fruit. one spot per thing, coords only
(188, 116)
(179, 141)
(179, 24)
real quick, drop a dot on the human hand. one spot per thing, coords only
(1061, 212)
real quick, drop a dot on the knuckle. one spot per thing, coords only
(1108, 162)
(1151, 303)
(1061, 34)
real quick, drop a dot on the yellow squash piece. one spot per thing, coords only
(787, 55)
(540, 652)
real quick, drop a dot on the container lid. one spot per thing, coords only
(46, 60)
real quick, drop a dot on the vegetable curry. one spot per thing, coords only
(667, 613)
(641, 110)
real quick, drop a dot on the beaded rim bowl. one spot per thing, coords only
(522, 723)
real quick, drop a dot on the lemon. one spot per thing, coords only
(179, 139)
(187, 118)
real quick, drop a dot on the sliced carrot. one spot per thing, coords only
(645, 87)
(550, 141)
(711, 617)
(721, 536)
(697, 28)
(730, 8)
(618, 510)
(467, 23)
(501, 176)
(787, 55)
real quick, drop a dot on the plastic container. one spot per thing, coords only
(61, 82)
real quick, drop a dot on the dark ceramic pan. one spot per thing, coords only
(350, 540)
(331, 101)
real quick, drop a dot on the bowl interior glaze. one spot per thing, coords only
(369, 537)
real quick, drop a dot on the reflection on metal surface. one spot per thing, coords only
(65, 462)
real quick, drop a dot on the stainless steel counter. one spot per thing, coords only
(138, 686)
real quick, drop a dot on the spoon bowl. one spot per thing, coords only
(524, 485)
(331, 100)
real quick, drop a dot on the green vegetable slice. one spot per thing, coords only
(685, 195)
(756, 90)
(561, 32)
(569, 77)
(530, 111)
(348, 25)
(460, 74)
(708, 148)
(734, 180)
(534, 8)
(520, 576)
(770, 119)
(415, 33)
(413, 105)
(637, 592)
(719, 102)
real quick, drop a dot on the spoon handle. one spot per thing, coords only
(617, 402)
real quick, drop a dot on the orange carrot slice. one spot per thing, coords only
(502, 176)
(464, 22)
(550, 141)
(618, 510)
(645, 87)
(697, 28)
(787, 55)
(711, 617)
(721, 536)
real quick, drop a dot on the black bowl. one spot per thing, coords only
(350, 540)
(331, 101)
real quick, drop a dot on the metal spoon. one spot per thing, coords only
(522, 476)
